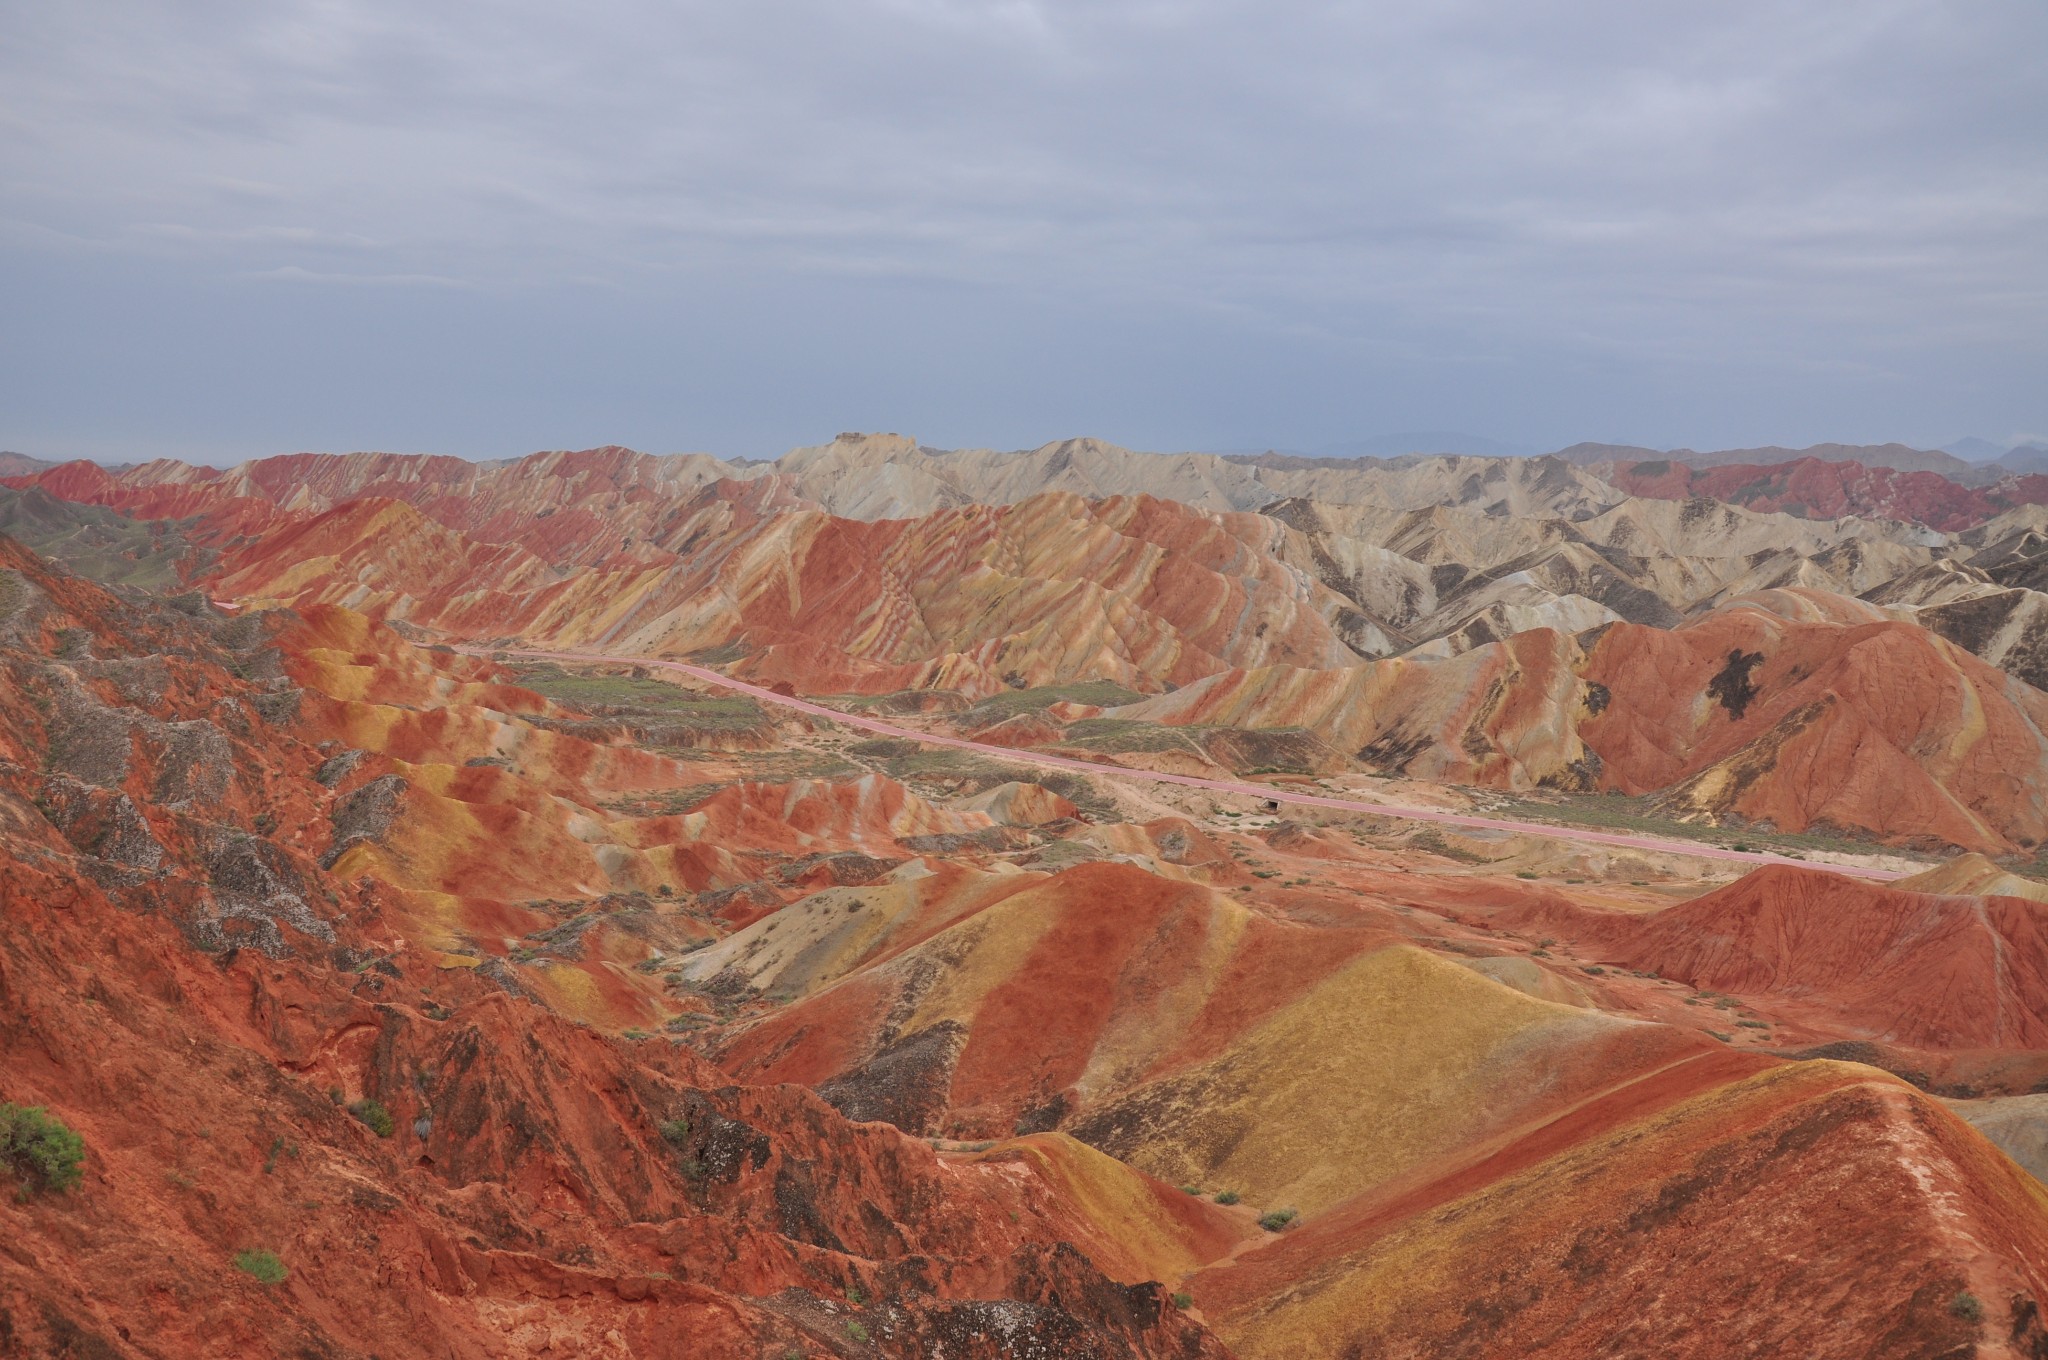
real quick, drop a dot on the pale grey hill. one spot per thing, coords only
(20, 464)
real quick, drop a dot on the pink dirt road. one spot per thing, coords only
(1415, 814)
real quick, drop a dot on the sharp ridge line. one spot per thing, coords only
(1644, 843)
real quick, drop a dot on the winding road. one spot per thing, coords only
(1653, 844)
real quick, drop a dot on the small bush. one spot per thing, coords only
(855, 1295)
(1278, 1220)
(1194, 1190)
(1227, 1197)
(675, 1132)
(1967, 1306)
(1593, 969)
(373, 1117)
(41, 1148)
(1523, 873)
(264, 1265)
(1183, 1301)
(856, 1332)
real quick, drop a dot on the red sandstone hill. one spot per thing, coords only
(1793, 711)
(1818, 489)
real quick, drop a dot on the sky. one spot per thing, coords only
(231, 228)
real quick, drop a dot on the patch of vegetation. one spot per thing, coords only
(1752, 1024)
(855, 1295)
(1278, 1220)
(44, 1151)
(856, 1332)
(1227, 1197)
(373, 1116)
(1967, 1306)
(1643, 814)
(263, 1265)
(1010, 703)
(1128, 734)
(1194, 1190)
(1182, 1301)
(611, 694)
(1524, 873)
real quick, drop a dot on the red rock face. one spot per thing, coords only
(1859, 960)
(1880, 726)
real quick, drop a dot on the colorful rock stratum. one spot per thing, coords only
(1070, 903)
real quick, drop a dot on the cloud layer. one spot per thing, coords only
(237, 226)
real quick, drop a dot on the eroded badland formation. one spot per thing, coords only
(1144, 906)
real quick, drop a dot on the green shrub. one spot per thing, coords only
(1278, 1220)
(1194, 1190)
(856, 1332)
(264, 1265)
(1183, 1301)
(1227, 1197)
(855, 1295)
(675, 1132)
(1523, 873)
(374, 1117)
(1967, 1306)
(43, 1151)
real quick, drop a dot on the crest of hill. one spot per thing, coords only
(1626, 1239)
(1900, 457)
(1816, 488)
(20, 464)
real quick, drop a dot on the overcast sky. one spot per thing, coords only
(230, 228)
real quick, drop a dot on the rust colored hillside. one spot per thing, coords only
(419, 986)
(1817, 489)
